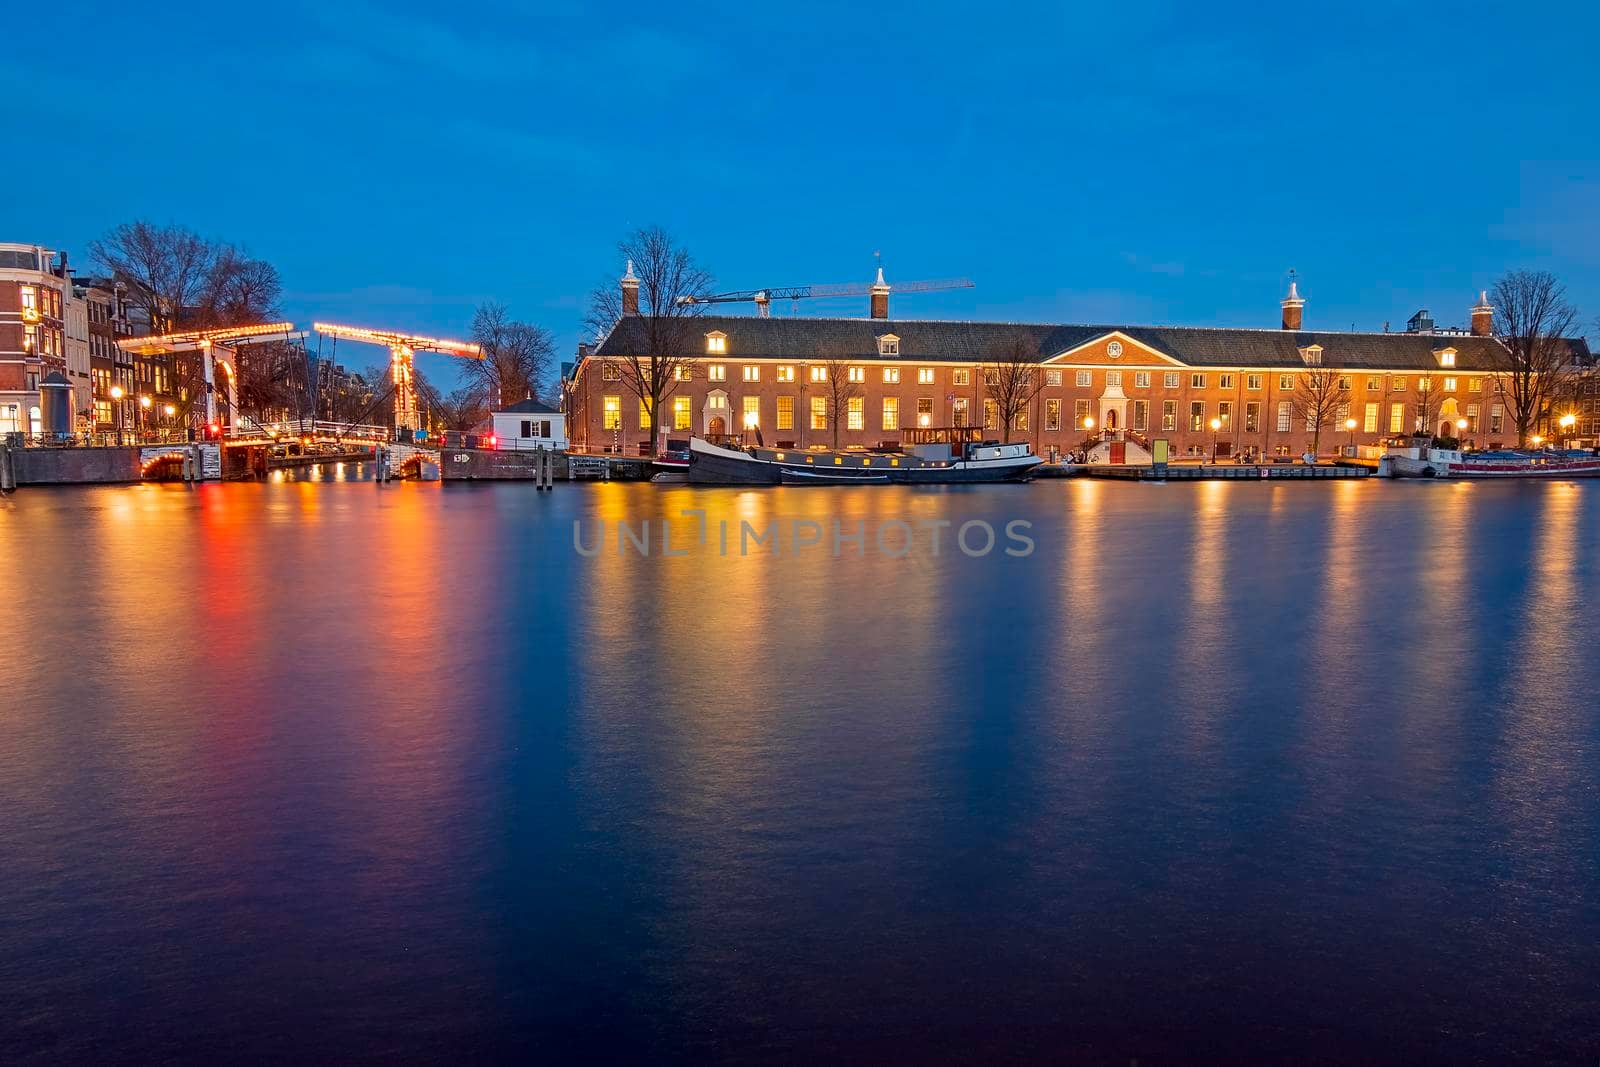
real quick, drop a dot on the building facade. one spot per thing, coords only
(106, 307)
(1204, 390)
(33, 284)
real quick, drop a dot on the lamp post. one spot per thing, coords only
(1538, 441)
(1566, 422)
(1461, 431)
(1350, 424)
(1216, 426)
(168, 410)
(116, 410)
(144, 412)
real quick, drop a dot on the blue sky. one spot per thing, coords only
(1112, 163)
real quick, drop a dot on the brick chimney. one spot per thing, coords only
(880, 297)
(1483, 316)
(630, 292)
(1292, 307)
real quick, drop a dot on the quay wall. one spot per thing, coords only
(471, 464)
(76, 466)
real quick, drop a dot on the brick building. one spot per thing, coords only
(33, 284)
(1147, 381)
(106, 304)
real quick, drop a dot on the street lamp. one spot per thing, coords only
(1566, 421)
(144, 412)
(1088, 424)
(1538, 440)
(168, 410)
(116, 410)
(1350, 424)
(1216, 425)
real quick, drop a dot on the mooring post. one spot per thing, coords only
(8, 475)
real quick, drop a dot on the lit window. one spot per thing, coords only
(924, 411)
(1052, 378)
(1197, 415)
(683, 372)
(610, 372)
(612, 407)
(1141, 415)
(961, 377)
(1374, 385)
(1447, 357)
(1424, 384)
(1369, 424)
(1052, 414)
(1169, 380)
(1474, 385)
(858, 374)
(924, 375)
(1252, 417)
(1449, 385)
(752, 412)
(1225, 413)
(888, 345)
(1169, 414)
(1398, 384)
(716, 343)
(752, 372)
(786, 373)
(1397, 418)
(991, 414)
(891, 375)
(1080, 414)
(819, 413)
(682, 413)
(819, 374)
(958, 411)
(644, 414)
(786, 413)
(1197, 381)
(856, 414)
(1083, 379)
(891, 413)
(717, 372)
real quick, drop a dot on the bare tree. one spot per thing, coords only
(837, 390)
(516, 356)
(1425, 408)
(180, 278)
(240, 290)
(464, 409)
(662, 333)
(1012, 378)
(1535, 358)
(1316, 400)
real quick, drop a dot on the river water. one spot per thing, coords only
(1222, 770)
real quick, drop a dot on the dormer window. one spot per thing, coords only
(1445, 356)
(888, 345)
(1312, 355)
(716, 343)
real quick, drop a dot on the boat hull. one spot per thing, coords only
(715, 465)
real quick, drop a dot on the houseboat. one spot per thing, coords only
(1419, 460)
(928, 456)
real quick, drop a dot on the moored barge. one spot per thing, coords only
(930, 456)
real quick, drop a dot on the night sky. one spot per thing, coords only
(1117, 163)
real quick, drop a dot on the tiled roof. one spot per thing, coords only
(529, 406)
(932, 341)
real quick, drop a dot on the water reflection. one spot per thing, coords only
(399, 761)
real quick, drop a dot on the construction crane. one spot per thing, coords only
(763, 298)
(216, 347)
(402, 347)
